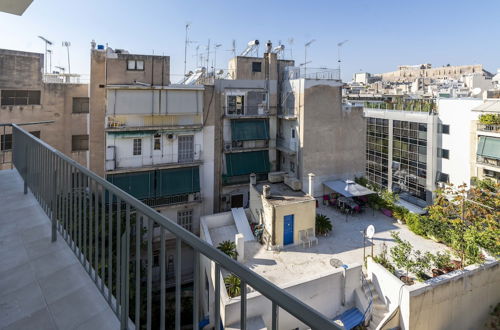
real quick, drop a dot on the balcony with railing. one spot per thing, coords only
(416, 105)
(488, 162)
(133, 122)
(110, 234)
(241, 111)
(285, 145)
(489, 128)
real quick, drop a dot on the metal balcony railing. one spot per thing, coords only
(488, 161)
(247, 110)
(287, 145)
(111, 233)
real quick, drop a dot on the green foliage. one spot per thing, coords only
(361, 181)
(442, 260)
(421, 264)
(467, 220)
(323, 224)
(401, 253)
(383, 259)
(416, 223)
(233, 283)
(228, 248)
(490, 119)
(400, 213)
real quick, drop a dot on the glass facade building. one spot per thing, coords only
(377, 151)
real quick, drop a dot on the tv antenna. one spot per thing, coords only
(67, 44)
(306, 45)
(233, 48)
(339, 45)
(215, 57)
(63, 69)
(186, 41)
(49, 51)
(47, 43)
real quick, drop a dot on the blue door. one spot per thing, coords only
(288, 230)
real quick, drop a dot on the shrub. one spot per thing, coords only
(401, 253)
(415, 223)
(383, 259)
(400, 213)
(442, 260)
(421, 264)
(228, 248)
(490, 119)
(323, 224)
(232, 283)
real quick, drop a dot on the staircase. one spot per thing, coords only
(378, 309)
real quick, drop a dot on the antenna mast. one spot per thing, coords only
(67, 44)
(305, 54)
(339, 45)
(47, 42)
(185, 47)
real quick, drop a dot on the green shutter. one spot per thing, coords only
(242, 163)
(138, 184)
(178, 181)
(249, 129)
(489, 147)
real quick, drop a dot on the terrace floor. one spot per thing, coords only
(344, 243)
(42, 284)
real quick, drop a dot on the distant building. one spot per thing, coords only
(29, 96)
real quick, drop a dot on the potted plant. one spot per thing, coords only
(442, 263)
(232, 283)
(399, 214)
(383, 260)
(401, 255)
(323, 225)
(229, 248)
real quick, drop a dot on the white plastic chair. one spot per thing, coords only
(311, 237)
(303, 238)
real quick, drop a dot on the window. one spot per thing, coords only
(445, 129)
(293, 133)
(135, 65)
(157, 142)
(6, 140)
(20, 97)
(256, 67)
(292, 167)
(235, 104)
(79, 142)
(137, 148)
(443, 153)
(185, 219)
(80, 105)
(186, 148)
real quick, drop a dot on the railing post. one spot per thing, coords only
(53, 206)
(123, 286)
(25, 168)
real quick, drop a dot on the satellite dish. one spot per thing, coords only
(476, 91)
(370, 231)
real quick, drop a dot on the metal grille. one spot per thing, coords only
(185, 219)
(186, 148)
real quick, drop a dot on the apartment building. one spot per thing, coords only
(147, 137)
(402, 149)
(28, 95)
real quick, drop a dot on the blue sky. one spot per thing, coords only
(381, 34)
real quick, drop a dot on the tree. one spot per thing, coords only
(471, 218)
(401, 253)
(323, 224)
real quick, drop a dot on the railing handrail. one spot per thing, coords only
(283, 299)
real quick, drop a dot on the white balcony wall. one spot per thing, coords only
(154, 102)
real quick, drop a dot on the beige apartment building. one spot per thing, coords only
(30, 96)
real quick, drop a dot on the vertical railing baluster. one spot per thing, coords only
(103, 237)
(243, 304)
(91, 227)
(138, 218)
(79, 184)
(122, 288)
(274, 316)
(196, 289)
(162, 278)
(110, 248)
(126, 266)
(53, 199)
(150, 273)
(96, 234)
(177, 267)
(85, 219)
(118, 248)
(217, 297)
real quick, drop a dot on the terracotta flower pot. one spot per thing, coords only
(437, 272)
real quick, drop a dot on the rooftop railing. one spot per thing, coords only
(111, 233)
(488, 128)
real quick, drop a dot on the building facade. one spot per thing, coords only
(30, 96)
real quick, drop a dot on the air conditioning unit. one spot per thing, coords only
(171, 136)
(275, 177)
(194, 197)
(228, 146)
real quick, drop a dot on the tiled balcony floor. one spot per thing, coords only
(42, 284)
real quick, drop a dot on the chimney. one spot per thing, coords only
(253, 179)
(266, 191)
(311, 184)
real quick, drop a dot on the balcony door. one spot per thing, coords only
(186, 148)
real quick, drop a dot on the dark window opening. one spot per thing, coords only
(20, 97)
(80, 105)
(80, 142)
(256, 67)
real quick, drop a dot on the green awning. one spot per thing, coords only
(178, 181)
(158, 183)
(242, 163)
(489, 147)
(138, 184)
(249, 129)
